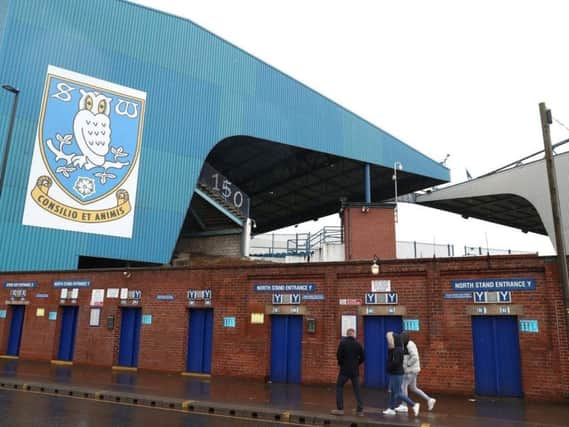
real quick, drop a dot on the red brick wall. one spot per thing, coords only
(444, 339)
(369, 231)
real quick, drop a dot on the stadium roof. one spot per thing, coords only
(292, 150)
(516, 196)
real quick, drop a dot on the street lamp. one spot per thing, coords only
(396, 166)
(375, 265)
(16, 93)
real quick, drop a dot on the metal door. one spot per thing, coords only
(129, 340)
(67, 335)
(286, 348)
(496, 348)
(375, 347)
(200, 340)
(16, 326)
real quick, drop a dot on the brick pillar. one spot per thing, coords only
(369, 230)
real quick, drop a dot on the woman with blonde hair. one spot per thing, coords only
(412, 367)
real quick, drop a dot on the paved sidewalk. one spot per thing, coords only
(302, 404)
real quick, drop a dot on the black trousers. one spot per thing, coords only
(342, 379)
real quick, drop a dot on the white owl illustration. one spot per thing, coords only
(92, 129)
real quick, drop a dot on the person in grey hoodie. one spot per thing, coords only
(412, 367)
(395, 356)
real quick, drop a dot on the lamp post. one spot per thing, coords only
(396, 166)
(16, 93)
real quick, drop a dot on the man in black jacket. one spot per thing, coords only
(350, 356)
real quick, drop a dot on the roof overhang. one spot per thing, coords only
(516, 197)
(288, 185)
(506, 209)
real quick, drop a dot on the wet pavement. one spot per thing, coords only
(230, 398)
(24, 409)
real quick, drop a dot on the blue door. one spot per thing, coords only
(130, 332)
(199, 340)
(496, 348)
(375, 346)
(286, 349)
(67, 336)
(16, 325)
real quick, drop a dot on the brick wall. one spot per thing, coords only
(444, 339)
(368, 231)
(226, 245)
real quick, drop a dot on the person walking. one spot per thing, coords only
(395, 353)
(350, 355)
(412, 367)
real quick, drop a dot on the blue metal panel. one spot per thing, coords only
(200, 341)
(16, 325)
(375, 328)
(279, 332)
(129, 339)
(195, 341)
(508, 356)
(67, 335)
(208, 338)
(200, 90)
(483, 338)
(294, 349)
(136, 334)
(3, 13)
(496, 356)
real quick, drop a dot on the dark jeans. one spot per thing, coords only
(396, 393)
(342, 379)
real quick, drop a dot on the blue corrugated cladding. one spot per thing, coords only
(3, 12)
(200, 90)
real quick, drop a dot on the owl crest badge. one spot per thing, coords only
(84, 170)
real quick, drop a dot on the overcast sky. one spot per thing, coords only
(457, 77)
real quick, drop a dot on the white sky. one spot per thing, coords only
(457, 77)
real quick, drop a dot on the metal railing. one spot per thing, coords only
(280, 245)
(305, 243)
(481, 250)
(414, 249)
(298, 244)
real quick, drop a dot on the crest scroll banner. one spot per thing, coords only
(84, 171)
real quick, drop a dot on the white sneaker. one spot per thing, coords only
(388, 411)
(401, 408)
(416, 407)
(431, 403)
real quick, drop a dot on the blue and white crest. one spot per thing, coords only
(88, 143)
(89, 138)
